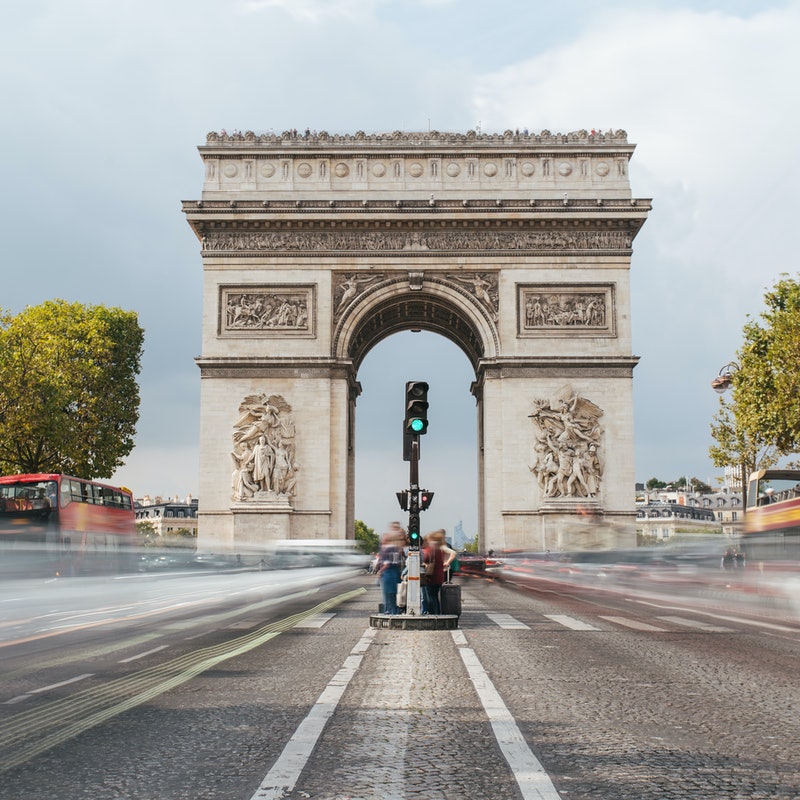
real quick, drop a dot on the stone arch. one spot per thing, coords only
(437, 307)
(517, 248)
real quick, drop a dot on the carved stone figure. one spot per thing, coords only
(264, 466)
(568, 445)
(484, 287)
(349, 288)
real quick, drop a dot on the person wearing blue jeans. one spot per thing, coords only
(390, 559)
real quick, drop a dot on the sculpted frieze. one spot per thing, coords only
(415, 241)
(568, 459)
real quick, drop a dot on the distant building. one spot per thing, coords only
(170, 516)
(662, 513)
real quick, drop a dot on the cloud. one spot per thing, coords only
(705, 96)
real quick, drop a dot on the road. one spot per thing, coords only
(217, 688)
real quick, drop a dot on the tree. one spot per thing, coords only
(762, 421)
(766, 388)
(655, 483)
(69, 399)
(366, 537)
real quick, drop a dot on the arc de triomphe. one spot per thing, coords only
(515, 246)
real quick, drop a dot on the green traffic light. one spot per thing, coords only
(416, 425)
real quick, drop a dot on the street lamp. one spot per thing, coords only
(724, 379)
(720, 385)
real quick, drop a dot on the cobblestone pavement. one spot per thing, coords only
(612, 713)
(410, 726)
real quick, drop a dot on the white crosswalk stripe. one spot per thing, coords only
(634, 623)
(571, 623)
(693, 623)
(507, 622)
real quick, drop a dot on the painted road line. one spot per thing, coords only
(285, 772)
(693, 623)
(317, 621)
(142, 655)
(635, 624)
(533, 781)
(32, 692)
(757, 623)
(571, 622)
(508, 623)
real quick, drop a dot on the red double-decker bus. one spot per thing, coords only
(52, 524)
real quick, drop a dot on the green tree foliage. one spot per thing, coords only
(655, 483)
(69, 399)
(367, 537)
(761, 422)
(767, 385)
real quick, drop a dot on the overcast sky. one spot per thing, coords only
(104, 105)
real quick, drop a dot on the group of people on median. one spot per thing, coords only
(437, 558)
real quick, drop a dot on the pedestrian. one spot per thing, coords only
(390, 558)
(433, 561)
(449, 556)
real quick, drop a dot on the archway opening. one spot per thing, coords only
(449, 458)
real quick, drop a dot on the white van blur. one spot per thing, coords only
(293, 553)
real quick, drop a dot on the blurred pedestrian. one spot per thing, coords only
(433, 559)
(390, 560)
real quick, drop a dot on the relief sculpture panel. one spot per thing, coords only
(264, 466)
(579, 310)
(568, 448)
(266, 309)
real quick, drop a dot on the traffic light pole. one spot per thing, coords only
(414, 594)
(415, 424)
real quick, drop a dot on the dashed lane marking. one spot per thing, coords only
(507, 622)
(635, 624)
(142, 655)
(317, 621)
(25, 696)
(571, 623)
(693, 623)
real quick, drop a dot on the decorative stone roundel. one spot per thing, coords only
(602, 169)
(341, 170)
(490, 170)
(415, 170)
(453, 169)
(230, 170)
(378, 169)
(304, 170)
(528, 169)
(268, 170)
(564, 169)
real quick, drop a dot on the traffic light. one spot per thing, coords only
(402, 498)
(413, 531)
(416, 419)
(425, 499)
